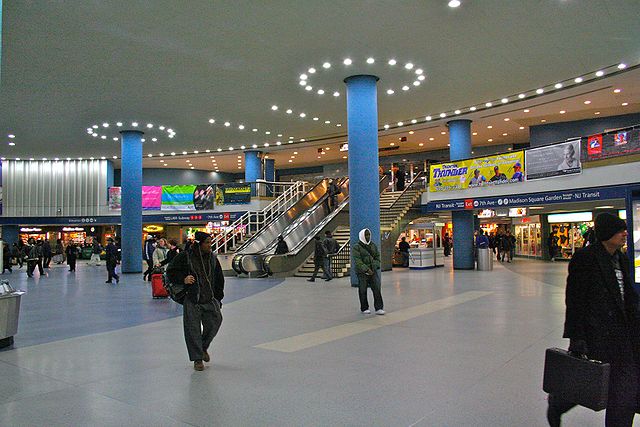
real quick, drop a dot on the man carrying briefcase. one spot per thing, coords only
(602, 320)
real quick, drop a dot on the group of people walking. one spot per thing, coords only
(502, 244)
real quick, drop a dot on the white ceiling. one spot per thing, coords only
(69, 65)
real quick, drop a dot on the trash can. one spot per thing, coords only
(485, 259)
(9, 313)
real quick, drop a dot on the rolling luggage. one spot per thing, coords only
(157, 286)
(580, 381)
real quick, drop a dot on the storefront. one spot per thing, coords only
(568, 230)
(528, 233)
(37, 233)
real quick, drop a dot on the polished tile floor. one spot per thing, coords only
(460, 348)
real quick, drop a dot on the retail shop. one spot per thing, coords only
(528, 233)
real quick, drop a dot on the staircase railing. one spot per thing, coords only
(414, 184)
(252, 221)
(342, 257)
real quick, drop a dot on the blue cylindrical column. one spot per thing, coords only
(252, 168)
(10, 234)
(269, 174)
(463, 223)
(362, 129)
(131, 211)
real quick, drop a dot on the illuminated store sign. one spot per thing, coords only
(570, 217)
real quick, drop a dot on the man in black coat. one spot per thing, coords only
(199, 269)
(112, 258)
(319, 255)
(602, 319)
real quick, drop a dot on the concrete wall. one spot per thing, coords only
(555, 132)
(180, 177)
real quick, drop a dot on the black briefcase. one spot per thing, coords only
(580, 381)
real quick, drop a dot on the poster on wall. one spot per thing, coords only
(480, 172)
(614, 144)
(553, 160)
(114, 198)
(151, 198)
(237, 194)
(178, 197)
(204, 196)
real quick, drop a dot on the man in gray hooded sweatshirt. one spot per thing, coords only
(367, 262)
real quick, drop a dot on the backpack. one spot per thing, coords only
(176, 291)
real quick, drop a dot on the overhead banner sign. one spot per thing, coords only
(553, 160)
(613, 144)
(151, 198)
(480, 172)
(115, 198)
(236, 194)
(203, 197)
(178, 197)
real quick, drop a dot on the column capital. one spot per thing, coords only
(459, 121)
(131, 131)
(356, 76)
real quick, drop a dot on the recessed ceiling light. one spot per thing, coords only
(540, 91)
(521, 127)
(411, 132)
(472, 109)
(115, 138)
(617, 90)
(105, 125)
(289, 111)
(162, 127)
(105, 137)
(578, 80)
(149, 155)
(150, 125)
(12, 143)
(326, 65)
(392, 144)
(274, 107)
(624, 104)
(115, 157)
(242, 147)
(587, 102)
(134, 124)
(386, 126)
(370, 60)
(428, 118)
(488, 104)
(400, 123)
(504, 100)
(303, 77)
(454, 3)
(390, 92)
(457, 112)
(347, 61)
(241, 127)
(266, 144)
(419, 71)
(173, 153)
(622, 66)
(303, 115)
(321, 92)
(521, 96)
(443, 133)
(191, 167)
(475, 133)
(489, 127)
(303, 82)
(431, 139)
(414, 121)
(543, 120)
(490, 140)
(290, 161)
(405, 87)
(443, 115)
(119, 124)
(408, 65)
(416, 83)
(558, 85)
(336, 93)
(279, 143)
(184, 152)
(562, 111)
(421, 144)
(599, 73)
(308, 88)
(254, 146)
(227, 124)
(230, 148)
(312, 70)
(506, 119)
(505, 134)
(526, 111)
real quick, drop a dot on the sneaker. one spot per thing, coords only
(205, 356)
(108, 281)
(367, 311)
(380, 312)
(198, 365)
(311, 280)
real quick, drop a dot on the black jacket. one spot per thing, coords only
(282, 247)
(596, 312)
(112, 254)
(180, 268)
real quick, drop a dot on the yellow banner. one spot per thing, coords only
(480, 172)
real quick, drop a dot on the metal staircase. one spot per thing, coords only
(339, 269)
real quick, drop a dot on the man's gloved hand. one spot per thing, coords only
(578, 347)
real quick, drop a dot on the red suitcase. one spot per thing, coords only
(157, 287)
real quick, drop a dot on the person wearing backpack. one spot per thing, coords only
(200, 272)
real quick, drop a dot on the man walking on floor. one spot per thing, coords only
(112, 258)
(319, 256)
(198, 268)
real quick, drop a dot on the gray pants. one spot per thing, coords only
(327, 267)
(201, 324)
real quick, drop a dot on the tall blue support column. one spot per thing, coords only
(10, 234)
(463, 223)
(252, 168)
(362, 130)
(269, 174)
(131, 211)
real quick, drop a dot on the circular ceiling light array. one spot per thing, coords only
(106, 130)
(552, 87)
(302, 115)
(417, 77)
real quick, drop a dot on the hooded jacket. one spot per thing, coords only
(365, 254)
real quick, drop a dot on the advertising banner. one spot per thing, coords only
(178, 197)
(151, 198)
(203, 197)
(236, 194)
(114, 198)
(479, 172)
(553, 160)
(613, 144)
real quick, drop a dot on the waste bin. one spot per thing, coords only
(9, 313)
(485, 259)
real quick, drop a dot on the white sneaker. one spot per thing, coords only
(380, 312)
(366, 311)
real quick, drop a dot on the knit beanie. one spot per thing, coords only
(201, 236)
(607, 226)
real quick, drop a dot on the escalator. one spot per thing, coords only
(299, 253)
(294, 225)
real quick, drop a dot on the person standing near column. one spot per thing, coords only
(112, 261)
(367, 262)
(198, 268)
(601, 320)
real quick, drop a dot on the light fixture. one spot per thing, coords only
(543, 121)
(400, 124)
(405, 87)
(308, 88)
(558, 85)
(490, 140)
(150, 125)
(562, 111)
(428, 118)
(312, 70)
(624, 104)
(521, 128)
(535, 208)
(173, 153)
(386, 126)
(336, 93)
(347, 61)
(149, 155)
(504, 100)
(414, 121)
(370, 60)
(408, 65)
(105, 125)
(321, 92)
(390, 92)
(587, 102)
(578, 80)
(540, 91)
(119, 124)
(505, 134)
(506, 119)
(134, 124)
(454, 3)
(488, 104)
(303, 115)
(474, 133)
(472, 109)
(274, 107)
(326, 65)
(303, 77)
(416, 83)
(184, 152)
(392, 144)
(597, 113)
(622, 66)
(392, 62)
(599, 73)
(227, 124)
(521, 96)
(617, 90)
(526, 110)
(457, 112)
(420, 145)
(241, 127)
(443, 115)
(12, 143)
(489, 127)
(431, 139)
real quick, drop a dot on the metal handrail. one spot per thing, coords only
(407, 188)
(255, 220)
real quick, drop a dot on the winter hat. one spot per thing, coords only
(608, 225)
(201, 236)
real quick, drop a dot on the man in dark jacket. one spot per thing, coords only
(199, 269)
(332, 191)
(331, 247)
(47, 253)
(366, 258)
(319, 255)
(147, 255)
(404, 247)
(112, 258)
(602, 319)
(282, 247)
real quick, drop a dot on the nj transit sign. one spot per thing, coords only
(581, 195)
